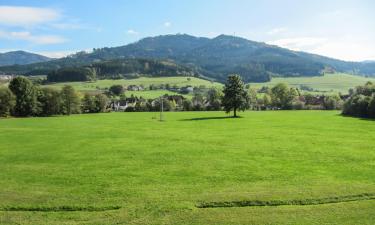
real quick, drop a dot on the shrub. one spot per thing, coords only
(332, 102)
(298, 105)
(116, 90)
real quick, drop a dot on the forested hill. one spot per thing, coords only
(21, 58)
(121, 68)
(214, 58)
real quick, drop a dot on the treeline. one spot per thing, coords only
(72, 74)
(279, 97)
(23, 99)
(361, 102)
(120, 68)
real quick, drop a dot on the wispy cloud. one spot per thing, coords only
(299, 43)
(26, 16)
(35, 24)
(346, 48)
(57, 54)
(73, 25)
(67, 26)
(167, 24)
(36, 39)
(132, 32)
(277, 30)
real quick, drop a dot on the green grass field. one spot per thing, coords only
(330, 83)
(145, 81)
(129, 168)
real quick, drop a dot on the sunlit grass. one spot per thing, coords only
(157, 172)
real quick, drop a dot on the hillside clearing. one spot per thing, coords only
(329, 83)
(145, 81)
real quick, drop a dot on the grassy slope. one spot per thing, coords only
(179, 81)
(157, 172)
(328, 83)
(145, 81)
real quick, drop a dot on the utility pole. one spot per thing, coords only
(161, 108)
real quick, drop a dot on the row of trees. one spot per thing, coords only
(236, 96)
(116, 69)
(22, 98)
(72, 74)
(283, 97)
(361, 102)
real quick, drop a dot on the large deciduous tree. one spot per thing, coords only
(50, 101)
(71, 103)
(26, 96)
(7, 102)
(282, 96)
(235, 96)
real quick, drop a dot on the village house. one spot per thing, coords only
(134, 88)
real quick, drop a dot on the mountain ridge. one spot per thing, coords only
(212, 57)
(21, 58)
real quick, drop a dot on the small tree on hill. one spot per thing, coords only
(235, 96)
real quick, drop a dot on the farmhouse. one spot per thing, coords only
(134, 88)
(122, 105)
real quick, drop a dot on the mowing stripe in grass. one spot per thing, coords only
(59, 208)
(318, 201)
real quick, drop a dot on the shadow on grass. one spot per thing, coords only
(357, 117)
(212, 118)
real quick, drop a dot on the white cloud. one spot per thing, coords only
(26, 16)
(345, 48)
(36, 39)
(167, 24)
(132, 32)
(73, 25)
(276, 31)
(67, 26)
(299, 44)
(56, 54)
(350, 51)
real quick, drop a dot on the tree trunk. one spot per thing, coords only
(235, 112)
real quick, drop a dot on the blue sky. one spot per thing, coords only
(342, 29)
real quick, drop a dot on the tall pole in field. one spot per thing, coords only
(161, 108)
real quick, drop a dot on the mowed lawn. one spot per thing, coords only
(129, 168)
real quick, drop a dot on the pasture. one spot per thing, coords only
(130, 168)
(145, 81)
(329, 83)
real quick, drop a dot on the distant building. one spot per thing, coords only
(6, 77)
(134, 88)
